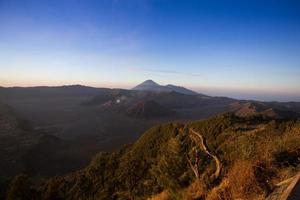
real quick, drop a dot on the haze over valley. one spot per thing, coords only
(149, 100)
(80, 121)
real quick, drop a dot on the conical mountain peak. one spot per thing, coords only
(150, 85)
(149, 82)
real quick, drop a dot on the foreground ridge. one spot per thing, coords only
(223, 158)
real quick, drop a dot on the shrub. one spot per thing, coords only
(19, 188)
(197, 190)
(221, 192)
(243, 180)
(161, 196)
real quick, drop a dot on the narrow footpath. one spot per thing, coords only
(205, 149)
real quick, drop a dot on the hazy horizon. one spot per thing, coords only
(82, 118)
(237, 94)
(239, 49)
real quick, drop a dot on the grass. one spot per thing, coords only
(255, 154)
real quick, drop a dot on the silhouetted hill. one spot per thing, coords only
(150, 85)
(50, 91)
(23, 149)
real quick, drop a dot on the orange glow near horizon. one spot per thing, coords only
(209, 90)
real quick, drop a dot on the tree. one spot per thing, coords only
(170, 166)
(19, 188)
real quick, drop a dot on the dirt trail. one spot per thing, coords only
(294, 189)
(288, 189)
(205, 149)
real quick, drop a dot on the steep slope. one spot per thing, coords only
(23, 149)
(246, 109)
(150, 85)
(148, 109)
(181, 90)
(15, 139)
(255, 155)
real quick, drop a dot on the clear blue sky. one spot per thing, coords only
(238, 48)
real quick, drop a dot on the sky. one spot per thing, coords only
(246, 49)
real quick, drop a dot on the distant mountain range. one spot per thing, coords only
(150, 85)
(70, 124)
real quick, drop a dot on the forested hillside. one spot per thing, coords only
(225, 157)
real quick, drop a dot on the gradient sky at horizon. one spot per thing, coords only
(243, 49)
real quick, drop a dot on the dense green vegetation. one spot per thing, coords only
(255, 153)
